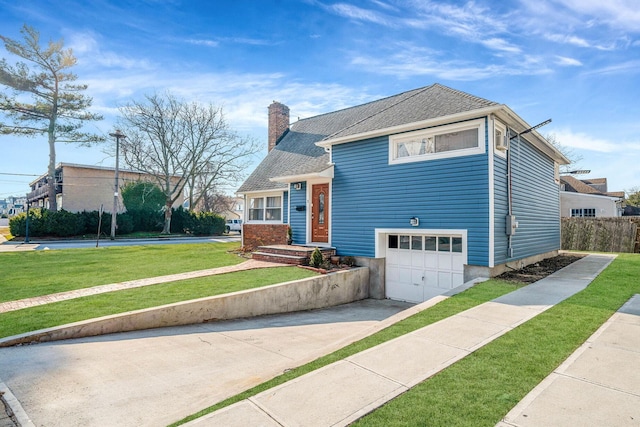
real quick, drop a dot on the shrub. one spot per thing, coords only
(349, 260)
(64, 223)
(207, 224)
(17, 225)
(91, 220)
(316, 260)
(181, 220)
(125, 223)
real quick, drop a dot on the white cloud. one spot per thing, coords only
(501, 45)
(568, 39)
(623, 67)
(360, 14)
(567, 62)
(617, 14)
(583, 141)
(203, 42)
(410, 60)
(87, 49)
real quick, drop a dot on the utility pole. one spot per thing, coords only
(114, 212)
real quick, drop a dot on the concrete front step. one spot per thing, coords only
(281, 258)
(289, 254)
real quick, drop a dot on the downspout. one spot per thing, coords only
(509, 195)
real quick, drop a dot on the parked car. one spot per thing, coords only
(234, 225)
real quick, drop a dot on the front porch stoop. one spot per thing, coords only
(289, 254)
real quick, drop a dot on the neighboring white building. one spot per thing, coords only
(588, 198)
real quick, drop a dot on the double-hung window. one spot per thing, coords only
(458, 139)
(267, 208)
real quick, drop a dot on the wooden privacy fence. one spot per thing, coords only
(601, 234)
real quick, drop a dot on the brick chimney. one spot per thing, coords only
(278, 122)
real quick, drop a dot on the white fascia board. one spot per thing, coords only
(407, 127)
(272, 191)
(509, 117)
(327, 173)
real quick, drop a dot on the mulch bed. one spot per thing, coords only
(539, 270)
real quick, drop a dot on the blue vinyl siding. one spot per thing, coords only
(285, 205)
(536, 201)
(369, 193)
(298, 220)
(500, 210)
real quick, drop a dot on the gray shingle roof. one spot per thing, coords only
(297, 154)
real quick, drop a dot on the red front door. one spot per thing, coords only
(320, 213)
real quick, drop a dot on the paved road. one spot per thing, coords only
(4, 222)
(155, 377)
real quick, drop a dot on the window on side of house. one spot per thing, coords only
(267, 208)
(583, 212)
(435, 143)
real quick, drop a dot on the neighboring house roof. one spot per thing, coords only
(588, 186)
(296, 153)
(79, 166)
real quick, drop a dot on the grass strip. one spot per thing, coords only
(476, 295)
(36, 273)
(75, 310)
(482, 388)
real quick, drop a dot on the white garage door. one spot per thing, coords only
(420, 267)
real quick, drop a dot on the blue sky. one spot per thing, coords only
(575, 61)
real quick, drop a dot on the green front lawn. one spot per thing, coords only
(480, 389)
(30, 274)
(60, 313)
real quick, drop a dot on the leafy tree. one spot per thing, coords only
(633, 196)
(142, 196)
(175, 141)
(53, 105)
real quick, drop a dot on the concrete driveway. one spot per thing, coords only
(155, 377)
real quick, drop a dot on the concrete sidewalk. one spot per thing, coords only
(342, 392)
(598, 385)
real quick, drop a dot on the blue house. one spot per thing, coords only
(439, 185)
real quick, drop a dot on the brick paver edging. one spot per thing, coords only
(95, 290)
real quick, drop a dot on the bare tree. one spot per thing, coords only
(178, 142)
(573, 157)
(57, 107)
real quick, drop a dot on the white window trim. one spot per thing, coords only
(263, 196)
(499, 126)
(394, 140)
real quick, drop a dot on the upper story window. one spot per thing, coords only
(459, 139)
(267, 208)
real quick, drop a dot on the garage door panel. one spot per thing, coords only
(444, 280)
(417, 259)
(418, 266)
(444, 261)
(458, 279)
(430, 260)
(431, 278)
